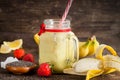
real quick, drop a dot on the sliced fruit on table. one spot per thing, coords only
(111, 58)
(16, 44)
(86, 64)
(5, 49)
(112, 64)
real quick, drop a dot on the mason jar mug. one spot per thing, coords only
(58, 45)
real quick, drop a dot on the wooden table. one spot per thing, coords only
(5, 75)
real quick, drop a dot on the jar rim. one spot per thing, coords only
(57, 20)
(56, 24)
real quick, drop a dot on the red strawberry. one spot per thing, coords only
(44, 70)
(19, 53)
(28, 57)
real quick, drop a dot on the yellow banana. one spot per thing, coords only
(84, 49)
(97, 65)
(81, 43)
(94, 44)
(36, 38)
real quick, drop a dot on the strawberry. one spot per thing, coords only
(44, 70)
(19, 53)
(28, 57)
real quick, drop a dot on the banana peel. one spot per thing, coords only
(110, 63)
(94, 73)
(109, 70)
(99, 51)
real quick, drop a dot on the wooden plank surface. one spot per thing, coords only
(21, 19)
(5, 75)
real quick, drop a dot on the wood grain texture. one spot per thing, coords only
(21, 19)
(5, 75)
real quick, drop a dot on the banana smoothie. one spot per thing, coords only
(58, 45)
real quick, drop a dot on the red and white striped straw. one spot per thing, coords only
(66, 10)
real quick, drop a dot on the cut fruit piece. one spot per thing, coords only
(5, 49)
(86, 64)
(111, 58)
(16, 44)
(112, 64)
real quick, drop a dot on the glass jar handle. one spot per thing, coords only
(72, 54)
(76, 47)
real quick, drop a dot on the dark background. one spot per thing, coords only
(21, 19)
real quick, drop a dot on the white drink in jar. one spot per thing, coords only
(58, 45)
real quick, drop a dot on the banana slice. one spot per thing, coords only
(86, 64)
(111, 58)
(83, 66)
(111, 64)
